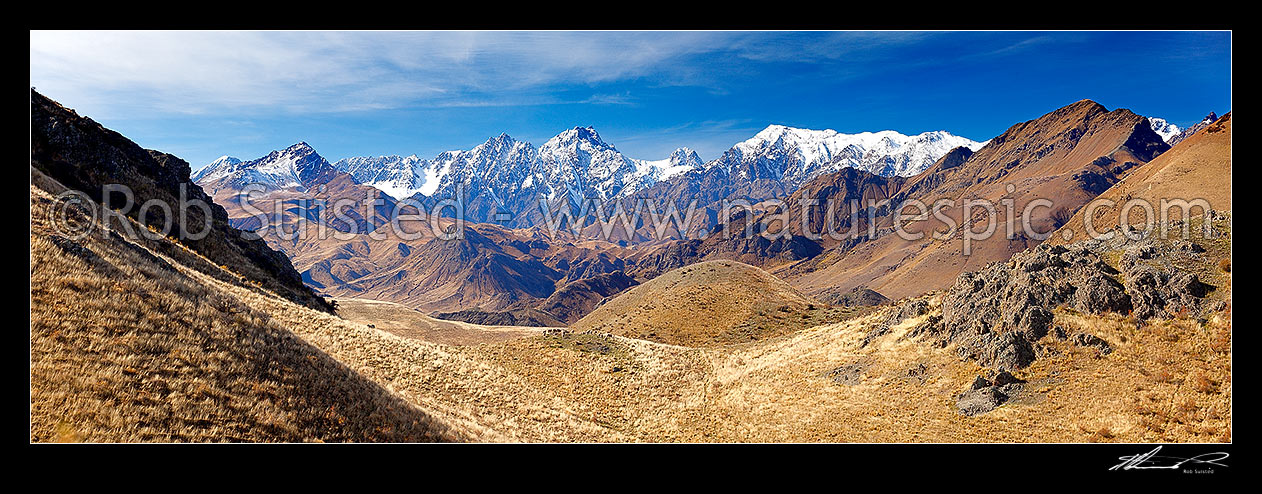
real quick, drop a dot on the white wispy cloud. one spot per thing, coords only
(116, 73)
(205, 71)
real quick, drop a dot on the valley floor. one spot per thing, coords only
(1167, 382)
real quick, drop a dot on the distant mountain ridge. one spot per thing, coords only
(1069, 154)
(398, 176)
(503, 178)
(1186, 133)
(794, 155)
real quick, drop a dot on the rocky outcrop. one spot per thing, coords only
(998, 315)
(1157, 288)
(985, 395)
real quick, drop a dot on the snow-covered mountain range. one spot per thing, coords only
(398, 176)
(793, 155)
(505, 174)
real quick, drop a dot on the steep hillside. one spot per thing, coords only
(130, 344)
(84, 156)
(1198, 167)
(1067, 157)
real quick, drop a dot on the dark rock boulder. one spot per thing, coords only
(979, 401)
(985, 395)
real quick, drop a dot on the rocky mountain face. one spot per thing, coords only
(220, 164)
(399, 176)
(503, 179)
(835, 204)
(1067, 156)
(297, 167)
(780, 160)
(682, 160)
(82, 155)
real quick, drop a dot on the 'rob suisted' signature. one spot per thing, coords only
(1150, 461)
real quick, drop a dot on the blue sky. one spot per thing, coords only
(203, 94)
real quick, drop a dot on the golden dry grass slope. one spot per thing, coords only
(131, 345)
(1198, 167)
(701, 304)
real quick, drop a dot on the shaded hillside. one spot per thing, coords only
(81, 154)
(837, 197)
(575, 300)
(570, 302)
(483, 270)
(129, 344)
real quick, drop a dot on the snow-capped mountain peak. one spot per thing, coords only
(685, 156)
(649, 172)
(220, 166)
(1163, 128)
(297, 166)
(580, 162)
